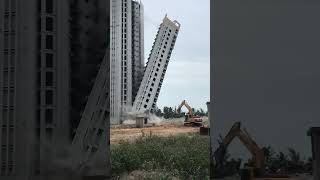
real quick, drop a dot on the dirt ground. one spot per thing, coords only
(138, 175)
(130, 133)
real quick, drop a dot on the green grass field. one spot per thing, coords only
(184, 156)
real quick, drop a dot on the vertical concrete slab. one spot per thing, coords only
(140, 122)
(210, 120)
(314, 132)
(208, 108)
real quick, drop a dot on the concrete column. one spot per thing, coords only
(208, 107)
(140, 122)
(210, 121)
(314, 132)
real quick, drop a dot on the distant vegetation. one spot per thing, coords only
(184, 156)
(187, 157)
(169, 112)
(288, 162)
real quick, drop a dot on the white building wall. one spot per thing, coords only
(115, 60)
(137, 46)
(157, 65)
(127, 59)
(126, 74)
(142, 38)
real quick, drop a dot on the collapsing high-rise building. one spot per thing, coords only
(90, 146)
(126, 56)
(156, 66)
(89, 38)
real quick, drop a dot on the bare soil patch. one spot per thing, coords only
(128, 133)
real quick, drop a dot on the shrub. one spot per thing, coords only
(185, 156)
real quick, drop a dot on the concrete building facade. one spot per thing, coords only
(89, 30)
(115, 60)
(33, 38)
(90, 146)
(156, 66)
(126, 55)
(137, 47)
(37, 77)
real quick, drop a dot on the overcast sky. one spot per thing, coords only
(188, 74)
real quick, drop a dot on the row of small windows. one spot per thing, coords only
(163, 51)
(49, 63)
(7, 114)
(6, 75)
(6, 43)
(171, 30)
(13, 5)
(6, 22)
(7, 147)
(149, 95)
(5, 98)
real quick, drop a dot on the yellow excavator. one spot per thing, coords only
(190, 119)
(256, 166)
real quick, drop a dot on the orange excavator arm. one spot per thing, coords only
(247, 141)
(184, 103)
(255, 150)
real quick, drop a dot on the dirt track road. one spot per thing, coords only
(130, 134)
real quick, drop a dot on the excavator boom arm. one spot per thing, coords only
(246, 140)
(184, 103)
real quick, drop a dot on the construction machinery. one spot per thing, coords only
(255, 167)
(256, 164)
(190, 118)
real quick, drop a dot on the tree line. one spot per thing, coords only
(170, 112)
